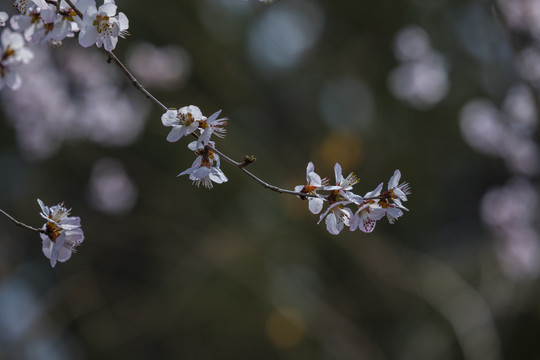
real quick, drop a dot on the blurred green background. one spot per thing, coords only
(172, 271)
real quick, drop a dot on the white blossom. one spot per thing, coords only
(61, 24)
(337, 217)
(14, 53)
(102, 26)
(63, 233)
(183, 121)
(314, 182)
(41, 22)
(369, 211)
(32, 25)
(396, 193)
(205, 169)
(212, 125)
(342, 184)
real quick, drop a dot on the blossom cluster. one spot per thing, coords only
(52, 21)
(62, 234)
(367, 209)
(41, 21)
(190, 120)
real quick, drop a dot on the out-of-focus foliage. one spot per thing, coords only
(446, 91)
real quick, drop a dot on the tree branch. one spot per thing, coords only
(18, 223)
(134, 81)
(239, 165)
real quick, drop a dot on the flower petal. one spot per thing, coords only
(315, 205)
(64, 254)
(88, 36)
(367, 225)
(55, 249)
(169, 118)
(213, 117)
(41, 4)
(108, 8)
(355, 222)
(186, 172)
(314, 179)
(310, 168)
(338, 173)
(199, 173)
(375, 192)
(400, 194)
(123, 21)
(332, 224)
(376, 213)
(176, 133)
(44, 208)
(218, 176)
(394, 180)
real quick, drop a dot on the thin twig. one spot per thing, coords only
(122, 67)
(264, 184)
(135, 82)
(241, 166)
(18, 223)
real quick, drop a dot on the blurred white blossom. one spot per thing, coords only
(421, 80)
(411, 43)
(80, 99)
(522, 15)
(482, 126)
(4, 17)
(110, 189)
(280, 37)
(511, 212)
(507, 133)
(161, 68)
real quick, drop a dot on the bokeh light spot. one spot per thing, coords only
(110, 188)
(345, 148)
(347, 104)
(285, 327)
(160, 68)
(284, 32)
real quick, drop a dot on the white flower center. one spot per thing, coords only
(102, 24)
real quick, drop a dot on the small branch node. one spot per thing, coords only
(247, 160)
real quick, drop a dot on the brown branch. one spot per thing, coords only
(134, 81)
(18, 223)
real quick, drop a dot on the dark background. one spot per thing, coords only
(170, 271)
